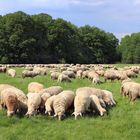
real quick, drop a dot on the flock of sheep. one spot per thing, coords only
(55, 101)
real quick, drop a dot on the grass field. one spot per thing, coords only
(121, 123)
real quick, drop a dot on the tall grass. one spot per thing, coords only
(122, 122)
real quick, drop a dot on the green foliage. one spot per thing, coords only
(41, 39)
(129, 48)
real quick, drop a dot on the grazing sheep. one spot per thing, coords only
(44, 97)
(79, 74)
(134, 91)
(94, 91)
(3, 69)
(10, 101)
(110, 75)
(62, 102)
(109, 98)
(85, 74)
(124, 90)
(53, 90)
(96, 80)
(54, 75)
(63, 77)
(33, 103)
(22, 99)
(70, 74)
(92, 74)
(40, 71)
(95, 104)
(27, 73)
(11, 72)
(35, 87)
(81, 104)
(49, 105)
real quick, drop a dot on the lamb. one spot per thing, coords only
(10, 101)
(63, 77)
(53, 90)
(81, 104)
(35, 87)
(95, 104)
(49, 105)
(63, 101)
(33, 103)
(11, 72)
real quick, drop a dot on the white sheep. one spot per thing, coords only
(62, 102)
(33, 103)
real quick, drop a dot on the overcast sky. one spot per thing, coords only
(120, 17)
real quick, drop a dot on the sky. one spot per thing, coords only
(121, 17)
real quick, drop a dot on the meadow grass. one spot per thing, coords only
(120, 123)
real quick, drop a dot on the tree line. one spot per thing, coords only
(41, 39)
(129, 49)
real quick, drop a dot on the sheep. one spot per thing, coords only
(109, 98)
(110, 74)
(53, 90)
(4, 86)
(11, 72)
(96, 80)
(44, 97)
(27, 73)
(95, 104)
(40, 71)
(92, 74)
(49, 105)
(85, 74)
(124, 90)
(54, 75)
(3, 69)
(33, 103)
(104, 99)
(134, 91)
(70, 74)
(81, 104)
(10, 101)
(62, 102)
(22, 99)
(35, 87)
(130, 74)
(79, 74)
(63, 77)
